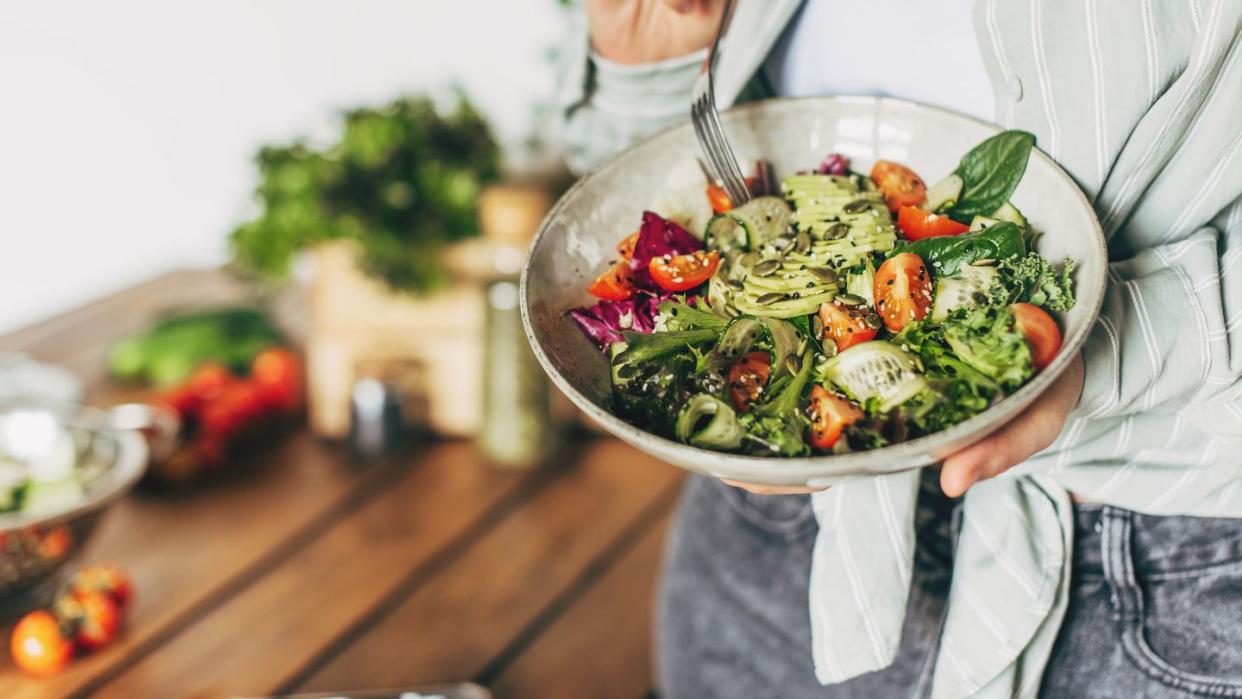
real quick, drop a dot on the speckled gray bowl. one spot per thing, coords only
(578, 237)
(35, 546)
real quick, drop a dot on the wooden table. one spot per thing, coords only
(302, 573)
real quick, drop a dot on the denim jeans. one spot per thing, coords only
(1155, 604)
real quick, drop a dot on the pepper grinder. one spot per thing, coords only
(518, 430)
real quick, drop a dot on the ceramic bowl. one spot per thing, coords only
(35, 546)
(578, 236)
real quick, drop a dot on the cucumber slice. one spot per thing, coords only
(943, 194)
(739, 336)
(785, 341)
(1009, 212)
(978, 223)
(958, 292)
(863, 283)
(708, 422)
(726, 232)
(876, 370)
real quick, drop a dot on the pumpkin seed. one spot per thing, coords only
(802, 242)
(749, 259)
(985, 262)
(736, 284)
(817, 326)
(791, 364)
(770, 298)
(823, 274)
(788, 247)
(766, 268)
(851, 300)
(837, 231)
(873, 321)
(857, 206)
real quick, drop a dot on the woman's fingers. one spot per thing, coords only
(760, 489)
(1032, 431)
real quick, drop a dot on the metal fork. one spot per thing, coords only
(721, 162)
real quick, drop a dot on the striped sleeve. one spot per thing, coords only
(1169, 336)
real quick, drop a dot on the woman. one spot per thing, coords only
(1109, 561)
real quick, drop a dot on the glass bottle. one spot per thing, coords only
(517, 429)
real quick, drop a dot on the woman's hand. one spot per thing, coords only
(1028, 434)
(640, 31)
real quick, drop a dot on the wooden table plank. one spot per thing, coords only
(452, 627)
(601, 646)
(185, 550)
(266, 632)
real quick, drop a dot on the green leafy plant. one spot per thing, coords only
(402, 182)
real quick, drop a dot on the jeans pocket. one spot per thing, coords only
(1181, 629)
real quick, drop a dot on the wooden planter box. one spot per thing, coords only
(432, 345)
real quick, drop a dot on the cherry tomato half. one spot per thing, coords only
(899, 185)
(747, 377)
(845, 325)
(615, 284)
(626, 247)
(718, 198)
(830, 414)
(38, 646)
(916, 224)
(278, 373)
(683, 272)
(105, 578)
(1040, 330)
(903, 290)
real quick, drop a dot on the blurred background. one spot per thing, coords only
(130, 127)
(269, 424)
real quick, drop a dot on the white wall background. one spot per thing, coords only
(127, 127)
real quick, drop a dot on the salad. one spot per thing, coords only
(834, 311)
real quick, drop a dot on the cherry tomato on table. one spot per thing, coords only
(847, 326)
(830, 414)
(107, 579)
(916, 224)
(903, 290)
(899, 185)
(747, 377)
(234, 409)
(92, 616)
(1040, 330)
(38, 645)
(683, 272)
(278, 373)
(615, 284)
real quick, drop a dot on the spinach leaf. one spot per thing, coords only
(946, 254)
(990, 172)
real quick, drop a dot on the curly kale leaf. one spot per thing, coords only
(1031, 279)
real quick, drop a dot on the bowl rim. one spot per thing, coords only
(124, 472)
(779, 470)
